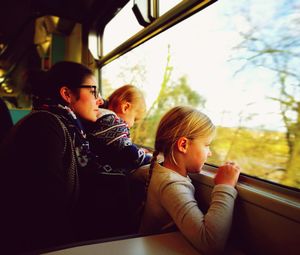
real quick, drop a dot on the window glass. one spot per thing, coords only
(121, 28)
(238, 62)
(165, 5)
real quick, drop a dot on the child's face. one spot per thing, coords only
(197, 154)
(131, 115)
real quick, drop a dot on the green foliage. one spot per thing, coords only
(176, 94)
(276, 48)
(170, 95)
(260, 153)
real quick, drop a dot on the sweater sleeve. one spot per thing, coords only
(111, 134)
(207, 232)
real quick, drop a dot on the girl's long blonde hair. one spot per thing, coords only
(180, 121)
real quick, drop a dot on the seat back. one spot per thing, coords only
(5, 120)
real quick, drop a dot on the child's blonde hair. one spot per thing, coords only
(127, 93)
(180, 121)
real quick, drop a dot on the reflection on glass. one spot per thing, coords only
(237, 63)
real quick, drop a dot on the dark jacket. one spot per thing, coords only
(5, 120)
(38, 185)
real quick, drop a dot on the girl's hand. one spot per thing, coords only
(228, 174)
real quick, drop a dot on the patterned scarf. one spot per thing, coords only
(75, 128)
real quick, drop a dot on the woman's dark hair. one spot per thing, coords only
(45, 86)
(35, 85)
(65, 73)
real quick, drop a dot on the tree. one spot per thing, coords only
(129, 72)
(170, 94)
(277, 48)
(137, 72)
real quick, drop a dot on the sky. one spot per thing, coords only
(201, 48)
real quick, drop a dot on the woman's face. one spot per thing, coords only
(87, 106)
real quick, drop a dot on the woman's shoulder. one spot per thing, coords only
(42, 117)
(35, 131)
(38, 121)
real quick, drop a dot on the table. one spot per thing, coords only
(172, 243)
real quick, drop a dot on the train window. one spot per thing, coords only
(236, 61)
(116, 31)
(165, 6)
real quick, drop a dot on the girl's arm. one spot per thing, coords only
(207, 232)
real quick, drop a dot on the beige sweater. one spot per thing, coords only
(171, 200)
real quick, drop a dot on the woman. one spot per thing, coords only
(41, 160)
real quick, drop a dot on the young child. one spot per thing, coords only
(183, 137)
(110, 137)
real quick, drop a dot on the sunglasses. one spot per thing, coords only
(93, 91)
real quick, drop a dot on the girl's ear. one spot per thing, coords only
(65, 94)
(125, 106)
(182, 144)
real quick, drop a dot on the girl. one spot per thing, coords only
(110, 137)
(183, 137)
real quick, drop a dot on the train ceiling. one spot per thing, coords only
(17, 20)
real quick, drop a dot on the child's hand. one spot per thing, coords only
(146, 150)
(228, 174)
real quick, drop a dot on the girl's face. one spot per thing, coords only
(197, 153)
(87, 106)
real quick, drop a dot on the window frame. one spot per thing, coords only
(177, 14)
(172, 17)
